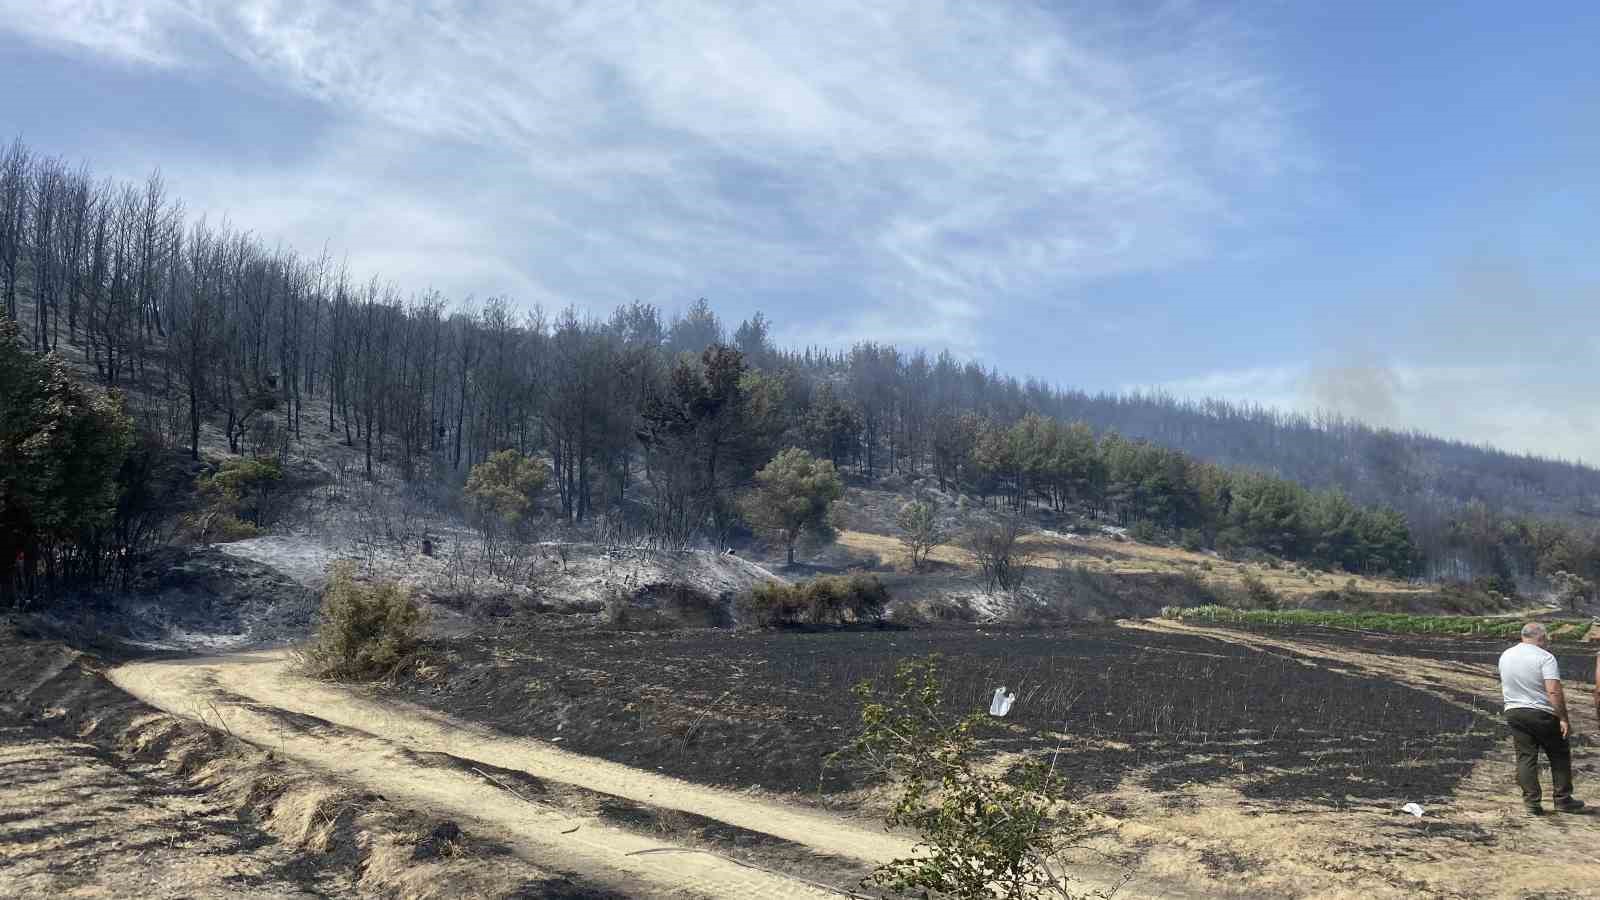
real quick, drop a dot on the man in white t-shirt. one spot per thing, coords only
(1536, 713)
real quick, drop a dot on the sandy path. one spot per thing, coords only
(75, 822)
(374, 744)
(370, 750)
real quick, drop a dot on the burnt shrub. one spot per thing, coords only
(869, 597)
(365, 630)
(824, 600)
(936, 610)
(616, 611)
(769, 604)
(663, 606)
(695, 607)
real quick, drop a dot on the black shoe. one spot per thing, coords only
(1569, 805)
(1533, 809)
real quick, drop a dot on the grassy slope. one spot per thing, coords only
(1052, 550)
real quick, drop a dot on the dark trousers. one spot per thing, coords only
(1534, 730)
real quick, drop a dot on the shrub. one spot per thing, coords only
(502, 488)
(1144, 531)
(770, 603)
(826, 599)
(998, 549)
(695, 607)
(869, 597)
(236, 499)
(1076, 589)
(365, 630)
(1570, 590)
(659, 606)
(1258, 593)
(1192, 540)
(920, 531)
(985, 832)
(1230, 542)
(616, 611)
(1194, 589)
(944, 609)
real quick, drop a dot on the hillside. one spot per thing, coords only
(652, 427)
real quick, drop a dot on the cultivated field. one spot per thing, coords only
(1150, 710)
(1221, 762)
(592, 763)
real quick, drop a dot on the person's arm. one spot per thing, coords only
(1558, 699)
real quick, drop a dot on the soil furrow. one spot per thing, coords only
(376, 749)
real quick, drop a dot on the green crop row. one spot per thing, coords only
(1388, 623)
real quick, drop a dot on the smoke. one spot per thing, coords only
(1364, 390)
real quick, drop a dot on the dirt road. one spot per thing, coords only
(396, 751)
(520, 793)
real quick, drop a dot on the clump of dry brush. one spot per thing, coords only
(365, 630)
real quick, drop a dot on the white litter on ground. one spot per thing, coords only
(1413, 808)
(1001, 704)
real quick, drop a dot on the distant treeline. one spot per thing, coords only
(665, 419)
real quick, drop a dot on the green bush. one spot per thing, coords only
(1496, 584)
(501, 490)
(1191, 540)
(920, 530)
(365, 630)
(236, 499)
(1144, 531)
(985, 832)
(61, 446)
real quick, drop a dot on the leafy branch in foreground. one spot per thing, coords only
(984, 832)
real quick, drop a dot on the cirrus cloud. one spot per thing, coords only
(902, 167)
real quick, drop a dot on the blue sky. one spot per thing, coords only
(1387, 209)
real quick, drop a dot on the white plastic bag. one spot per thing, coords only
(1001, 704)
(1413, 808)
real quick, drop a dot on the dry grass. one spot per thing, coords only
(1049, 550)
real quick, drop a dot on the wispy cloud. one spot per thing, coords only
(900, 166)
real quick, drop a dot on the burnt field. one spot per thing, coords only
(1131, 709)
(1577, 659)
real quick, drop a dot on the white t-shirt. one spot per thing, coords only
(1523, 672)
